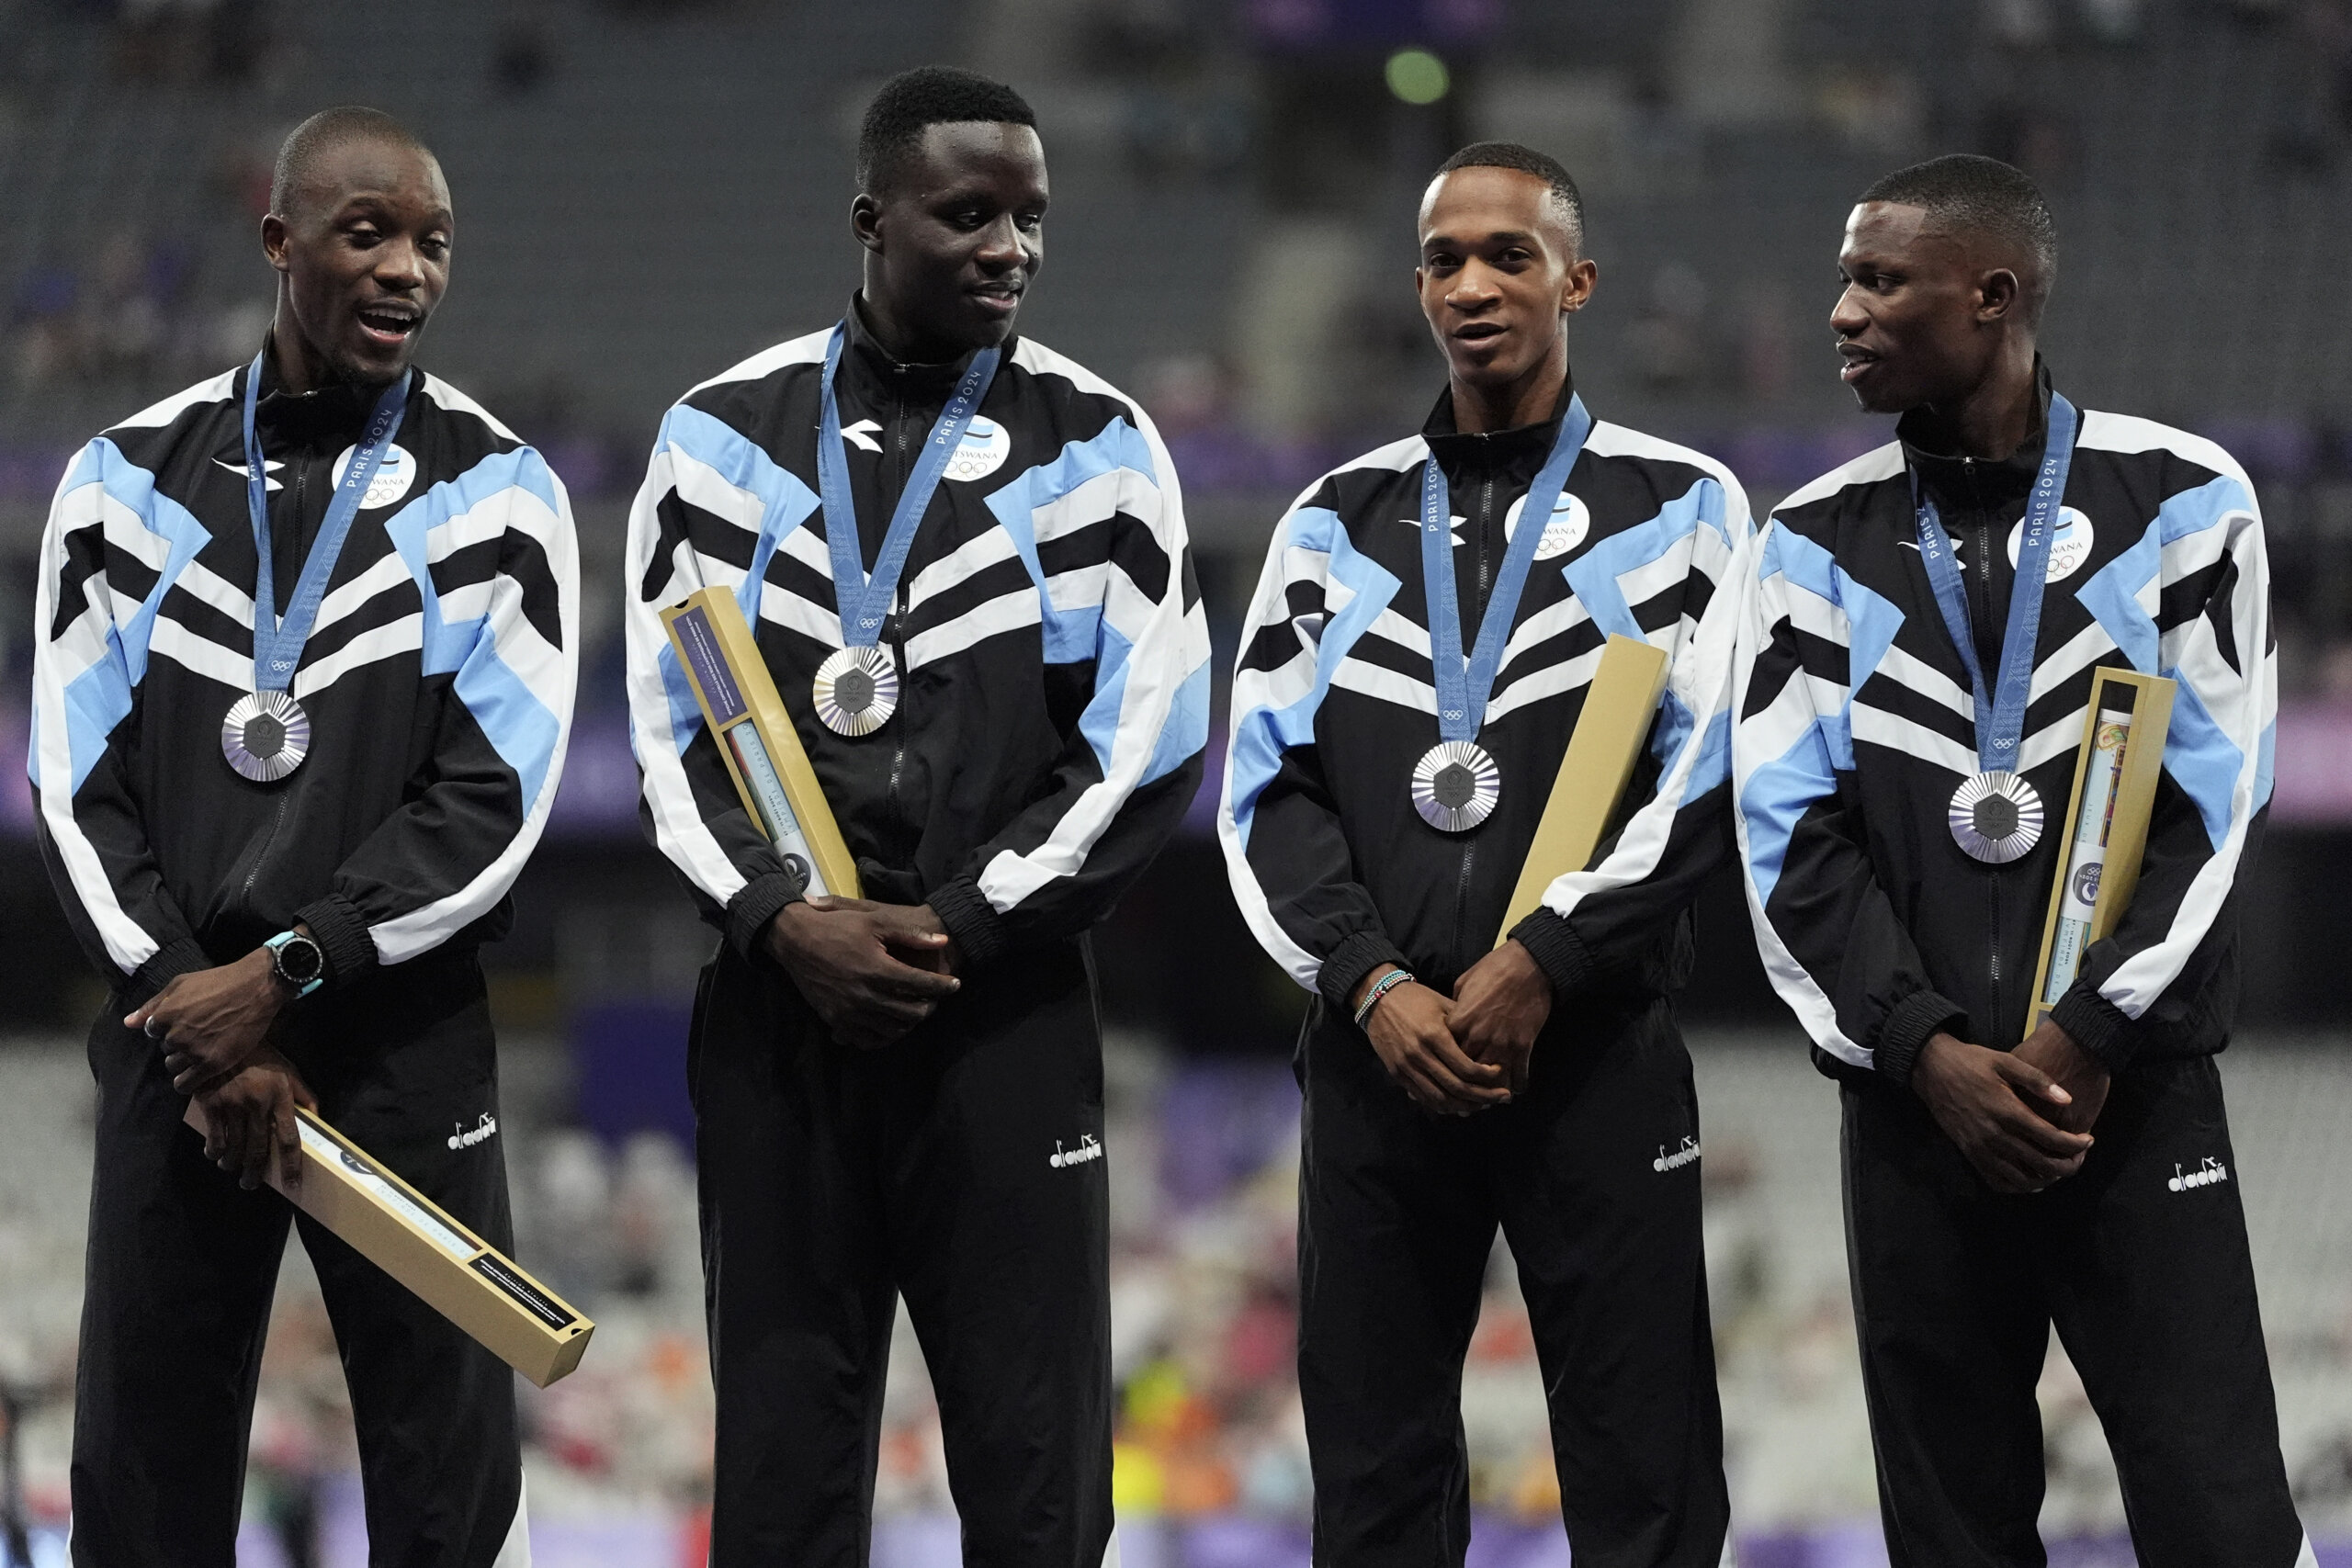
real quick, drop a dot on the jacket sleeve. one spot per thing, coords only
(711, 504)
(1132, 763)
(1292, 871)
(103, 568)
(2212, 632)
(1830, 938)
(503, 627)
(1599, 921)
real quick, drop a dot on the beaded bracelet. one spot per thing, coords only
(1380, 988)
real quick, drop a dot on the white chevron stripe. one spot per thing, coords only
(1922, 679)
(1562, 615)
(1565, 676)
(1882, 728)
(372, 645)
(700, 485)
(973, 555)
(1353, 675)
(782, 607)
(1005, 613)
(2082, 650)
(199, 656)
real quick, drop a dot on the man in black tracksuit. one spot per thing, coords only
(286, 877)
(904, 1095)
(1453, 1084)
(2082, 1175)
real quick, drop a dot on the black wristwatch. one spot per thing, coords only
(297, 960)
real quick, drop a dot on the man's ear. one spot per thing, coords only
(1997, 295)
(865, 221)
(274, 240)
(1577, 287)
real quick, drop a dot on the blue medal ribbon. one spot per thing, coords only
(1463, 687)
(863, 602)
(2000, 712)
(279, 640)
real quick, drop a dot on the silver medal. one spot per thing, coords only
(266, 735)
(1995, 818)
(856, 690)
(1456, 786)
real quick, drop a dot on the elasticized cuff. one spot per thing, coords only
(341, 932)
(754, 905)
(1908, 1027)
(1350, 961)
(979, 931)
(182, 957)
(1557, 950)
(2097, 1025)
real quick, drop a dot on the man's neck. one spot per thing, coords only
(895, 339)
(1991, 420)
(1529, 400)
(300, 367)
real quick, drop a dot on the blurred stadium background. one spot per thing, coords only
(647, 191)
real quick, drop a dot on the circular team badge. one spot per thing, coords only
(2068, 550)
(982, 451)
(1570, 521)
(856, 690)
(1995, 818)
(394, 476)
(266, 735)
(1456, 786)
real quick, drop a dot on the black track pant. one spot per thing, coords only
(2145, 1273)
(183, 1263)
(1587, 1175)
(960, 1167)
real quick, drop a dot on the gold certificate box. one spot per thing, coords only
(1605, 743)
(412, 1238)
(763, 752)
(2115, 771)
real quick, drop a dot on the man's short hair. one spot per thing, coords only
(298, 154)
(1984, 195)
(1527, 160)
(914, 100)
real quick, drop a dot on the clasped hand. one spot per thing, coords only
(2022, 1118)
(871, 971)
(1459, 1056)
(213, 1026)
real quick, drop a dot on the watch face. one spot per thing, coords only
(299, 960)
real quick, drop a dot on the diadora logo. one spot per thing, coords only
(862, 435)
(1686, 1155)
(1087, 1149)
(269, 465)
(2208, 1172)
(466, 1137)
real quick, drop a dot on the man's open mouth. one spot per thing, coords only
(1479, 331)
(389, 324)
(1858, 360)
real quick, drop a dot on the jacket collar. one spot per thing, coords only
(1523, 446)
(340, 408)
(870, 365)
(1979, 485)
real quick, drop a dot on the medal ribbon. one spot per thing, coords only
(863, 601)
(279, 640)
(2000, 714)
(1463, 687)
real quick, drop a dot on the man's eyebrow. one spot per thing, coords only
(1497, 237)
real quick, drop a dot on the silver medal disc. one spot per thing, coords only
(1456, 786)
(856, 690)
(266, 735)
(1995, 818)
